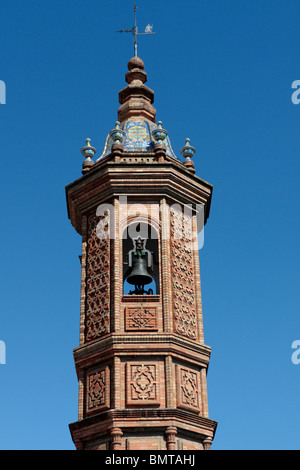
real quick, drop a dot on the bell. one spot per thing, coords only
(139, 275)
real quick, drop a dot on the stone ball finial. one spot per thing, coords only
(136, 74)
(135, 63)
(136, 98)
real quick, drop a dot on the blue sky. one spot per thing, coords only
(222, 73)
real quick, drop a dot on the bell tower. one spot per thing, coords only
(141, 362)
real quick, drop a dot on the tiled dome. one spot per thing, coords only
(137, 138)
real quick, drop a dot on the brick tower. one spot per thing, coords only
(141, 362)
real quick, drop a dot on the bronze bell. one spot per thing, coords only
(140, 261)
(139, 275)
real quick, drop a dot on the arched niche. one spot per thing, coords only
(148, 233)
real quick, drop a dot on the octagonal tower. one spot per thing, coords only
(141, 362)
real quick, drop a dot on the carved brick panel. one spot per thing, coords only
(141, 318)
(183, 280)
(188, 389)
(98, 390)
(142, 385)
(98, 278)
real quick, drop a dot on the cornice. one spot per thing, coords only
(132, 344)
(94, 427)
(168, 179)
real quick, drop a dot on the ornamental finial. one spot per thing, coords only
(88, 152)
(188, 152)
(117, 134)
(159, 134)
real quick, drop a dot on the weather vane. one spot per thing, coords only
(134, 31)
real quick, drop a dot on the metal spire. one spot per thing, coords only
(134, 31)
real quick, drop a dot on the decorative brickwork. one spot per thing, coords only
(188, 392)
(141, 318)
(97, 393)
(183, 280)
(142, 384)
(98, 278)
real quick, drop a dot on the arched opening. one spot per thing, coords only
(140, 260)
